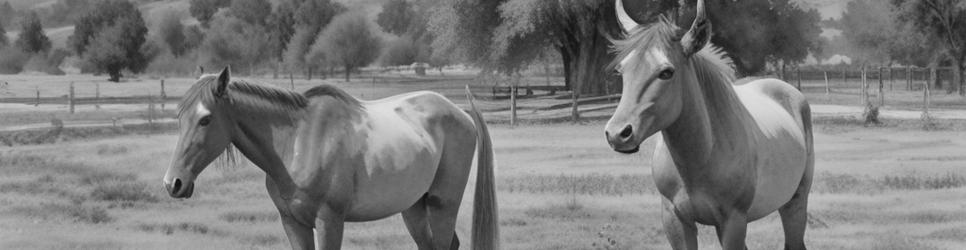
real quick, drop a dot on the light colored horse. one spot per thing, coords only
(726, 154)
(330, 158)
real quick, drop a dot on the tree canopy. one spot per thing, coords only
(32, 38)
(232, 41)
(349, 41)
(204, 10)
(251, 11)
(172, 33)
(119, 46)
(396, 17)
(943, 21)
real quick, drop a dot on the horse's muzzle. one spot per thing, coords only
(180, 189)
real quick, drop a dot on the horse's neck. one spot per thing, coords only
(713, 121)
(268, 144)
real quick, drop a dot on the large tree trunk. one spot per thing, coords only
(587, 65)
(565, 56)
(957, 84)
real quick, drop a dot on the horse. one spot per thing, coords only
(727, 154)
(330, 158)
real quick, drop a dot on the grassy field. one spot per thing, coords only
(878, 188)
(893, 186)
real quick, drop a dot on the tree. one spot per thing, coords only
(349, 41)
(251, 11)
(231, 41)
(795, 34)
(754, 32)
(193, 36)
(105, 14)
(310, 17)
(396, 17)
(867, 26)
(943, 21)
(3, 36)
(119, 47)
(204, 10)
(281, 26)
(7, 13)
(401, 51)
(32, 38)
(172, 32)
(507, 35)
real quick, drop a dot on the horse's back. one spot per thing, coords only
(782, 151)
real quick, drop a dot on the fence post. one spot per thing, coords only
(845, 75)
(881, 93)
(863, 87)
(37, 103)
(70, 97)
(892, 79)
(574, 94)
(513, 101)
(827, 89)
(798, 74)
(925, 94)
(908, 78)
(97, 95)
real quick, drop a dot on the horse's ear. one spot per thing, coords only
(627, 23)
(223, 80)
(700, 33)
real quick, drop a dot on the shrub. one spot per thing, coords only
(12, 60)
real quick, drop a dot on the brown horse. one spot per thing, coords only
(726, 155)
(330, 158)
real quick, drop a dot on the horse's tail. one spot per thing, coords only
(486, 229)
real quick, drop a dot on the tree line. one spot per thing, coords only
(319, 37)
(923, 33)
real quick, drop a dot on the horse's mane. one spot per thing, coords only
(334, 92)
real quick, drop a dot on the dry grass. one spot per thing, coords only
(587, 184)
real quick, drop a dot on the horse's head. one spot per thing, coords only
(654, 62)
(205, 132)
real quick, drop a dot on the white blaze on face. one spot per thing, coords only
(201, 110)
(657, 58)
(626, 60)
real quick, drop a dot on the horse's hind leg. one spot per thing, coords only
(795, 214)
(446, 193)
(417, 222)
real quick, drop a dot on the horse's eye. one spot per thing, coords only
(666, 74)
(204, 121)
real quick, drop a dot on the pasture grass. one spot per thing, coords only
(585, 184)
(248, 217)
(74, 211)
(825, 182)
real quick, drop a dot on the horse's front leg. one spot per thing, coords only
(731, 231)
(299, 235)
(329, 226)
(681, 232)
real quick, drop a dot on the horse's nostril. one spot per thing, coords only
(627, 132)
(176, 187)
